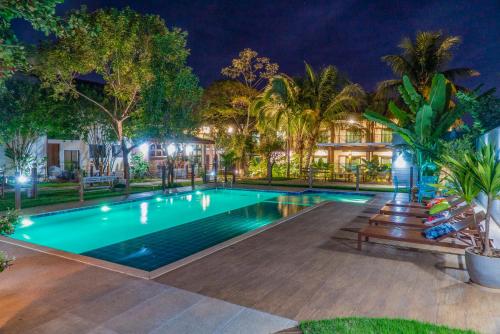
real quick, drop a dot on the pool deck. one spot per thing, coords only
(305, 268)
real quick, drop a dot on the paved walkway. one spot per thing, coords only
(47, 294)
(309, 268)
(305, 268)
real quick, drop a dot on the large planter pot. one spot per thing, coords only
(483, 270)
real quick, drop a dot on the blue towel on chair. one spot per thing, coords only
(438, 231)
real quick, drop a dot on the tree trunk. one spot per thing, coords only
(126, 166)
(288, 140)
(269, 171)
(486, 241)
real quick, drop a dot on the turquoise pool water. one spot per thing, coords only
(151, 233)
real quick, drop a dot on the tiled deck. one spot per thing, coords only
(306, 268)
(48, 294)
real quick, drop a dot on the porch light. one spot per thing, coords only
(400, 161)
(144, 148)
(171, 149)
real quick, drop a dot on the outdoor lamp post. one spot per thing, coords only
(20, 180)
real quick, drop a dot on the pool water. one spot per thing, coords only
(151, 233)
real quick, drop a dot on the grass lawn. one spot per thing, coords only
(375, 326)
(318, 186)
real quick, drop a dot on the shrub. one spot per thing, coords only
(7, 226)
(138, 166)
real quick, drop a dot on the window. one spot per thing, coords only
(71, 160)
(382, 135)
(353, 137)
(96, 151)
(156, 150)
(116, 150)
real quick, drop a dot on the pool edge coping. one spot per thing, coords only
(131, 271)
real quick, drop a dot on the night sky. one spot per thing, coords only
(352, 35)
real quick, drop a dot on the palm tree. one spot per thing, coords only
(281, 103)
(328, 96)
(421, 59)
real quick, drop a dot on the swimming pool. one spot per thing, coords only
(152, 233)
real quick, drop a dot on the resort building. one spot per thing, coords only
(349, 145)
(58, 158)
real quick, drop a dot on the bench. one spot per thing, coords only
(90, 180)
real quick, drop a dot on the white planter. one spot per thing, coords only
(483, 270)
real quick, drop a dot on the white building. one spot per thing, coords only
(57, 158)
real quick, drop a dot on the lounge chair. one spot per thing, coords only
(413, 212)
(414, 204)
(383, 219)
(460, 237)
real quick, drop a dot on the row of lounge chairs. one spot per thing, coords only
(406, 222)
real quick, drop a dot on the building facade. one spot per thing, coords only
(351, 145)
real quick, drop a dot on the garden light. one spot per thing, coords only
(22, 179)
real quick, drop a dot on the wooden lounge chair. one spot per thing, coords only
(414, 204)
(415, 222)
(404, 211)
(461, 238)
(413, 212)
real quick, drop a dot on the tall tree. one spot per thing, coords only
(124, 48)
(281, 102)
(421, 59)
(329, 96)
(23, 114)
(226, 109)
(250, 69)
(41, 15)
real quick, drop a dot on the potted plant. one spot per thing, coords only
(477, 173)
(483, 264)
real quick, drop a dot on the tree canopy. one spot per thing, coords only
(141, 62)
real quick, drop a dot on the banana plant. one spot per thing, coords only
(426, 119)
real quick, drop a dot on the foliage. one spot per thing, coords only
(420, 60)
(250, 68)
(23, 114)
(427, 119)
(226, 110)
(228, 159)
(484, 108)
(138, 166)
(316, 100)
(457, 146)
(374, 168)
(41, 15)
(355, 325)
(458, 179)
(484, 167)
(7, 226)
(132, 53)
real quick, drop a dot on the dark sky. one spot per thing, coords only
(352, 35)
